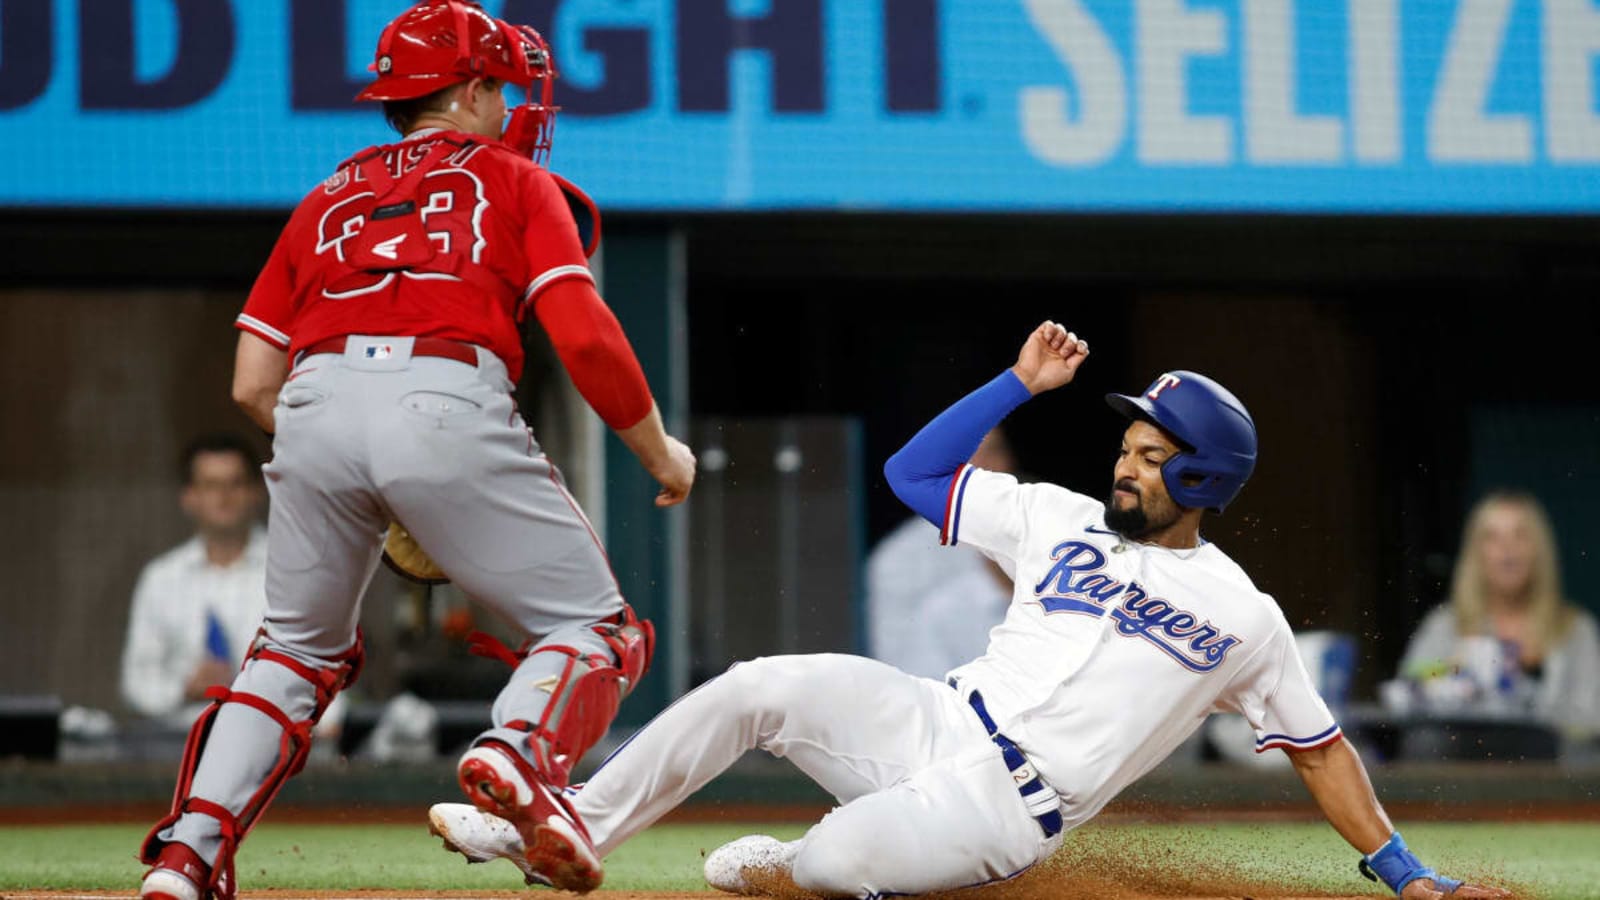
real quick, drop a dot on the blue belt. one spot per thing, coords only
(1049, 821)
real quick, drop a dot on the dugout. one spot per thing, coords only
(1396, 368)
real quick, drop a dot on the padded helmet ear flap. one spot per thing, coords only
(584, 212)
(1215, 432)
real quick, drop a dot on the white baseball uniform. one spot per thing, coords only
(1112, 652)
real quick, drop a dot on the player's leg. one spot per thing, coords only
(853, 725)
(323, 530)
(478, 495)
(916, 773)
(956, 823)
(470, 484)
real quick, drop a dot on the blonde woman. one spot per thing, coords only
(1507, 626)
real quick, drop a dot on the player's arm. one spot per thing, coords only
(596, 354)
(261, 360)
(1338, 782)
(1275, 693)
(589, 340)
(922, 472)
(259, 370)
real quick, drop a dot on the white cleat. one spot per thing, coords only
(164, 884)
(480, 836)
(754, 864)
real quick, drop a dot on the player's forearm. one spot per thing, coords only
(258, 405)
(1338, 782)
(920, 473)
(648, 440)
(1337, 779)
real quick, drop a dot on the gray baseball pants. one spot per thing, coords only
(377, 435)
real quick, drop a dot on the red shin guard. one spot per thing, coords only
(293, 748)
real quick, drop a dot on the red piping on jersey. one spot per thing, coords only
(1290, 748)
(949, 504)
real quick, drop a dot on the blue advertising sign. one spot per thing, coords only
(1378, 106)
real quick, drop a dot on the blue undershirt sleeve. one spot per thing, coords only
(921, 472)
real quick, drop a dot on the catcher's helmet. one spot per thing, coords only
(1215, 431)
(437, 43)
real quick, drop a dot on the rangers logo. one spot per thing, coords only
(385, 63)
(1075, 584)
(1167, 380)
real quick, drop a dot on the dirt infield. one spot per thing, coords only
(1268, 859)
(1056, 881)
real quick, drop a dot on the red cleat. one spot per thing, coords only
(556, 845)
(177, 875)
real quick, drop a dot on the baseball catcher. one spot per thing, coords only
(380, 344)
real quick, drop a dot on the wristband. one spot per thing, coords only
(1396, 866)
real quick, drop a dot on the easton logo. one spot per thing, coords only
(1076, 584)
(389, 249)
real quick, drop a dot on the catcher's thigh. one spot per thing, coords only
(469, 482)
(325, 523)
(959, 822)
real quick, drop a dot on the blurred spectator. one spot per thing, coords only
(197, 607)
(930, 608)
(1507, 640)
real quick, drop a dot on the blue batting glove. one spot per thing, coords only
(1396, 866)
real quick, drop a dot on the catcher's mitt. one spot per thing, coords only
(405, 556)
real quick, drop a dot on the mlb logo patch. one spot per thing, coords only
(378, 351)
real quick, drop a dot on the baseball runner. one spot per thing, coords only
(1126, 630)
(380, 344)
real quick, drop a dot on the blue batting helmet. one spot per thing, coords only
(1217, 436)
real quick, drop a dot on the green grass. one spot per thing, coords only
(331, 857)
(1553, 860)
(1560, 861)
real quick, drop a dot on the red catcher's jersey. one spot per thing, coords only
(493, 209)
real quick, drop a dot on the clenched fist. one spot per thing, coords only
(1049, 358)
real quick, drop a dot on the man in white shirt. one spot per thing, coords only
(196, 607)
(930, 608)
